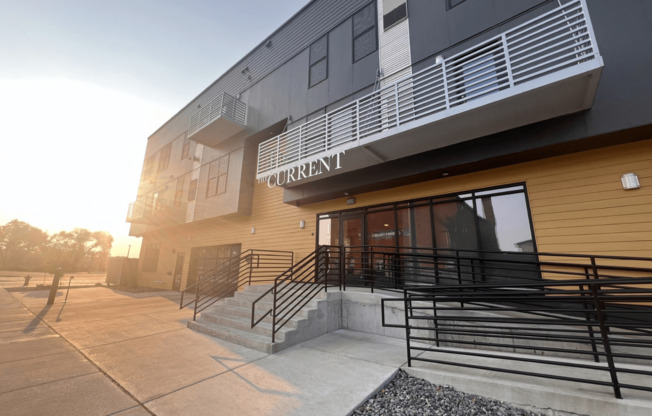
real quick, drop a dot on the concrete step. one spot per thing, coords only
(244, 323)
(245, 338)
(230, 319)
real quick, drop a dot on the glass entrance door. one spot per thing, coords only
(351, 234)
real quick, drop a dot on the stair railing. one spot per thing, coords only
(250, 267)
(298, 285)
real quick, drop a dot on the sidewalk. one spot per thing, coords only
(109, 352)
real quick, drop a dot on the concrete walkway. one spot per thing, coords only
(106, 352)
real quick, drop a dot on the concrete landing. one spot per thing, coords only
(109, 352)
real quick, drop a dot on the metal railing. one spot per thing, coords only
(250, 267)
(224, 105)
(483, 304)
(152, 207)
(297, 286)
(552, 42)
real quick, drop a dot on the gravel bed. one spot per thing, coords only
(407, 395)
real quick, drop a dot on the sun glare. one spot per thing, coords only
(71, 154)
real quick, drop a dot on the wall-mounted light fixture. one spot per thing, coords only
(302, 224)
(630, 181)
(439, 59)
(350, 201)
(253, 230)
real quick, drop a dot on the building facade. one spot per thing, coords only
(485, 125)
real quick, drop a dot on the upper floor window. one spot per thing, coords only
(364, 32)
(394, 11)
(148, 170)
(319, 61)
(178, 193)
(192, 190)
(164, 157)
(217, 176)
(185, 150)
(452, 3)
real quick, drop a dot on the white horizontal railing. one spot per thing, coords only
(151, 206)
(224, 105)
(554, 41)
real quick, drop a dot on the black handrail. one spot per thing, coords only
(298, 285)
(250, 267)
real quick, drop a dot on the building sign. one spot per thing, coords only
(305, 170)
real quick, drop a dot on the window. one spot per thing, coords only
(150, 259)
(179, 191)
(148, 170)
(393, 12)
(319, 61)
(164, 157)
(364, 32)
(496, 220)
(185, 150)
(217, 176)
(192, 190)
(452, 3)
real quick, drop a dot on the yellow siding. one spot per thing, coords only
(577, 204)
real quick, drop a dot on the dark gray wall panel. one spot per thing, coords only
(434, 29)
(340, 56)
(312, 22)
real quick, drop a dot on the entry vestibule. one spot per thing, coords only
(494, 220)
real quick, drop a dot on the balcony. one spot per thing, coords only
(224, 117)
(155, 211)
(547, 67)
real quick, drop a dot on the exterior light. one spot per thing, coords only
(439, 59)
(630, 181)
(253, 230)
(302, 224)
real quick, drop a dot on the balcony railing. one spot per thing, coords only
(152, 209)
(558, 43)
(224, 116)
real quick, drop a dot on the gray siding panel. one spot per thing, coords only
(315, 20)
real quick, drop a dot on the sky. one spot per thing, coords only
(83, 83)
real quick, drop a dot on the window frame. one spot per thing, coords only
(218, 171)
(312, 64)
(453, 3)
(394, 16)
(164, 157)
(364, 31)
(185, 148)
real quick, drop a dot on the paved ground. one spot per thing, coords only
(109, 352)
(14, 279)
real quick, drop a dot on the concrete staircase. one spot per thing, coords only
(229, 319)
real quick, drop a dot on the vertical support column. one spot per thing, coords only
(508, 62)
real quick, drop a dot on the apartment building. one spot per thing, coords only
(485, 125)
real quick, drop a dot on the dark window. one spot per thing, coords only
(395, 15)
(218, 171)
(148, 170)
(150, 259)
(452, 3)
(364, 32)
(319, 61)
(185, 150)
(192, 190)
(492, 220)
(164, 157)
(179, 191)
